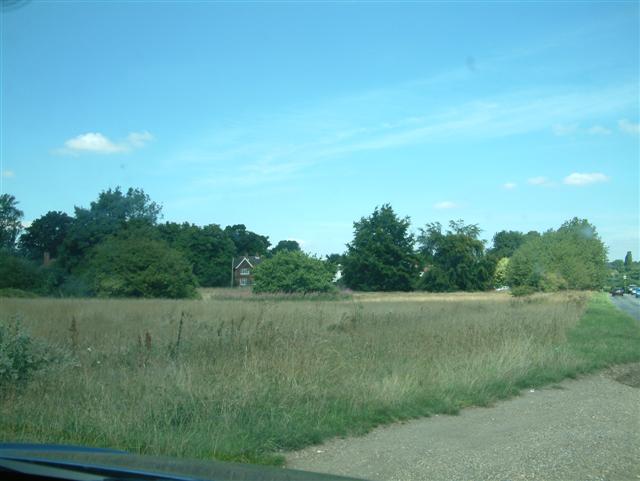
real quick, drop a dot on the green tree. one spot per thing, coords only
(18, 273)
(292, 272)
(628, 260)
(500, 274)
(506, 242)
(10, 221)
(45, 234)
(381, 257)
(209, 250)
(573, 257)
(455, 259)
(110, 213)
(134, 266)
(247, 242)
(285, 245)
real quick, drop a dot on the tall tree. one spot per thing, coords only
(209, 250)
(45, 234)
(506, 242)
(573, 257)
(285, 245)
(381, 257)
(628, 260)
(10, 221)
(455, 259)
(110, 213)
(247, 242)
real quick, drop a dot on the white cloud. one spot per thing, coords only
(562, 130)
(509, 185)
(598, 130)
(8, 174)
(97, 143)
(139, 139)
(446, 204)
(538, 181)
(585, 179)
(629, 127)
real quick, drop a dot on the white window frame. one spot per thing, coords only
(244, 281)
(245, 271)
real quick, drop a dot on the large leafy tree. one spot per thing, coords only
(134, 266)
(111, 212)
(45, 234)
(10, 221)
(628, 260)
(573, 257)
(292, 272)
(455, 260)
(381, 257)
(209, 250)
(285, 245)
(247, 242)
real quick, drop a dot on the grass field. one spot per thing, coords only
(227, 378)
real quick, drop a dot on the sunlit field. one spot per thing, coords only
(245, 378)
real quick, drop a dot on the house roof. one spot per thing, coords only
(251, 260)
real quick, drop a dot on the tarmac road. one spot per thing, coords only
(629, 304)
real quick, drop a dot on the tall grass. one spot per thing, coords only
(236, 380)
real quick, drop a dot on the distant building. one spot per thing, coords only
(243, 266)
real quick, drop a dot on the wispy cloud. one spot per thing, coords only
(509, 185)
(629, 127)
(562, 130)
(97, 143)
(577, 178)
(283, 145)
(8, 174)
(598, 130)
(445, 204)
(538, 181)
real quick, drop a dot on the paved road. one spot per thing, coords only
(586, 429)
(629, 304)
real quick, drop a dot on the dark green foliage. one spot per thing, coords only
(209, 250)
(113, 211)
(133, 266)
(18, 273)
(381, 257)
(10, 221)
(506, 242)
(573, 257)
(45, 234)
(285, 245)
(247, 242)
(628, 260)
(292, 272)
(455, 260)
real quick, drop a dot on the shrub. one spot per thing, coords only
(138, 267)
(520, 291)
(293, 271)
(21, 356)
(18, 273)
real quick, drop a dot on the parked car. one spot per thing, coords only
(632, 289)
(617, 291)
(637, 292)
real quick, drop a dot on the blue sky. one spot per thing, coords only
(298, 118)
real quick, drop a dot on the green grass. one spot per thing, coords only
(249, 380)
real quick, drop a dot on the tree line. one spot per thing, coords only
(118, 247)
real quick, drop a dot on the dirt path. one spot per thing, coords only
(587, 429)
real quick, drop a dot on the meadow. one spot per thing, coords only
(239, 377)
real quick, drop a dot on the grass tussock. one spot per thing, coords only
(233, 380)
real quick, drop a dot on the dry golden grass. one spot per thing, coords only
(249, 378)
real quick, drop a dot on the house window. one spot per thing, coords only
(244, 281)
(245, 271)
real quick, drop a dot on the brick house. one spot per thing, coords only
(243, 270)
